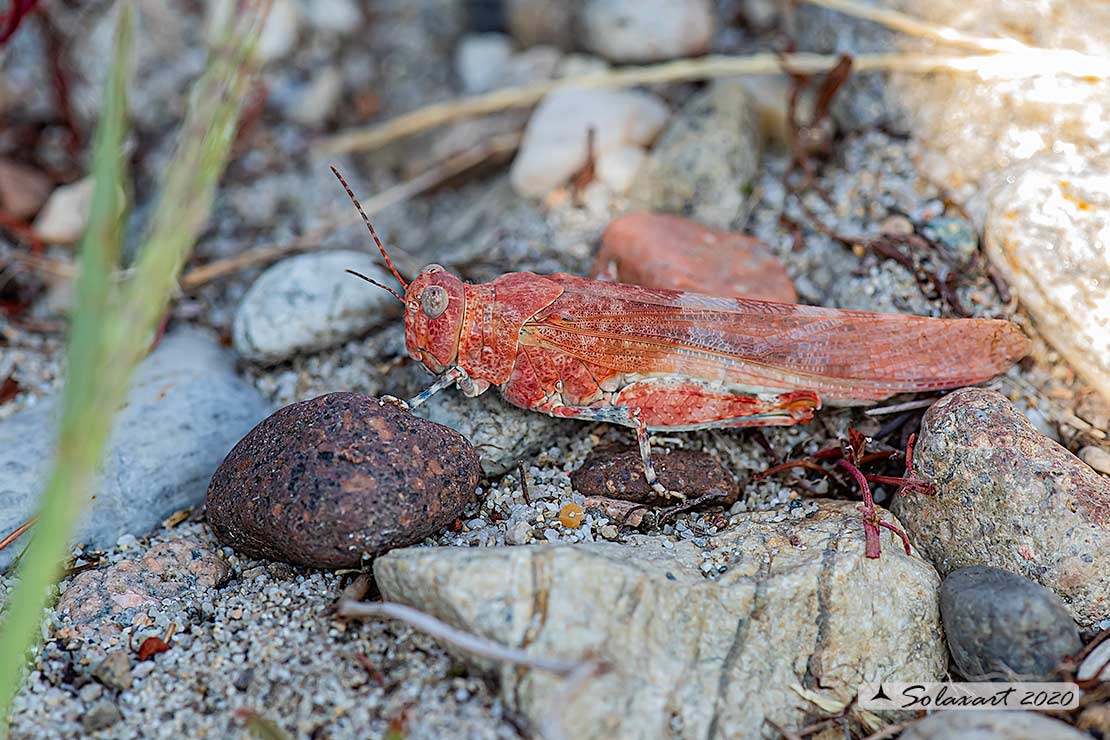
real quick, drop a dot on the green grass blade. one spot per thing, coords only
(188, 190)
(85, 421)
(112, 325)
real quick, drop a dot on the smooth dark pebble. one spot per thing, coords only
(615, 471)
(327, 481)
(999, 623)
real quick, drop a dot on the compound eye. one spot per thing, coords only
(433, 301)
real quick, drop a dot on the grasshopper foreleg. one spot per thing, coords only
(452, 376)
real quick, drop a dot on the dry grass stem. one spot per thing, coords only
(1028, 63)
(897, 408)
(310, 240)
(466, 641)
(922, 29)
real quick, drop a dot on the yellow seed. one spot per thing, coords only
(571, 515)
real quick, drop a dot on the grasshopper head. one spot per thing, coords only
(434, 304)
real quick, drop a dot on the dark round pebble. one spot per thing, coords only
(326, 481)
(616, 471)
(1000, 624)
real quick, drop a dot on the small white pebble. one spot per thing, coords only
(143, 669)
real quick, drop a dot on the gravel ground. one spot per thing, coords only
(266, 640)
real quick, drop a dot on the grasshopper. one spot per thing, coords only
(667, 360)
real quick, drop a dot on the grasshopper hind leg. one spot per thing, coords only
(644, 442)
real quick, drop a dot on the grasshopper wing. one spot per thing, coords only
(844, 356)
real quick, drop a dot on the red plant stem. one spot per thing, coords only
(909, 454)
(911, 481)
(907, 484)
(873, 547)
(809, 465)
(19, 9)
(900, 533)
(21, 230)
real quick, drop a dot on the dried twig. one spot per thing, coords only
(310, 240)
(471, 643)
(897, 408)
(523, 482)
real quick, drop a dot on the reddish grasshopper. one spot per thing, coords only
(664, 360)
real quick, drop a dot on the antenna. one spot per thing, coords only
(375, 282)
(373, 233)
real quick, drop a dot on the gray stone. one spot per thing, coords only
(646, 30)
(1001, 626)
(169, 49)
(1009, 497)
(797, 609)
(343, 17)
(481, 59)
(541, 22)
(101, 716)
(307, 303)
(520, 534)
(999, 725)
(865, 100)
(185, 410)
(315, 101)
(957, 238)
(502, 433)
(115, 670)
(1048, 232)
(705, 163)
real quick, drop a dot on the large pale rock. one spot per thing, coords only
(970, 126)
(647, 30)
(992, 725)
(799, 606)
(307, 303)
(555, 144)
(706, 161)
(1048, 232)
(1009, 497)
(185, 410)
